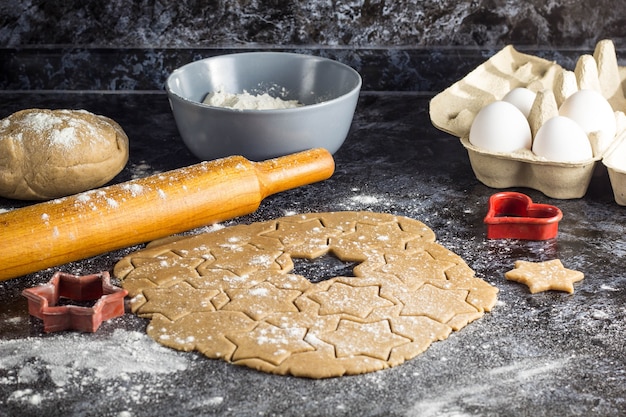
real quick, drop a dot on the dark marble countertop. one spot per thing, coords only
(359, 24)
(545, 354)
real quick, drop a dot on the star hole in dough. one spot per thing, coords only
(322, 268)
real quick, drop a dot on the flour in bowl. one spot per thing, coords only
(247, 101)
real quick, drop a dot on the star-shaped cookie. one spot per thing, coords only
(544, 276)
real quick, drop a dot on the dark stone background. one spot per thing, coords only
(396, 45)
(368, 23)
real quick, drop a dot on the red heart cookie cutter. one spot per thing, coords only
(513, 215)
(107, 302)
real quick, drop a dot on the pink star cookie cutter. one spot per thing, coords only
(107, 302)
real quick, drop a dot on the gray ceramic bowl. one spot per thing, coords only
(328, 89)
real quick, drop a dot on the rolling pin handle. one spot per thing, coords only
(290, 171)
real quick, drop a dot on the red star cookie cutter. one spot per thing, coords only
(513, 215)
(107, 302)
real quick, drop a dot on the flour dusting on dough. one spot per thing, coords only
(405, 293)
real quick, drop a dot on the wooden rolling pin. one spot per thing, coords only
(102, 220)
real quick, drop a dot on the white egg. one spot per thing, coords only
(522, 98)
(593, 113)
(561, 139)
(500, 127)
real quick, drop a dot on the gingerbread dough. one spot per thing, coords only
(544, 276)
(46, 154)
(233, 293)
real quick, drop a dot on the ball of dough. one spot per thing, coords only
(46, 154)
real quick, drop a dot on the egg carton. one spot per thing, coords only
(453, 111)
(615, 162)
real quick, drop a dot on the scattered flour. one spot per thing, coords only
(365, 199)
(61, 128)
(121, 354)
(259, 291)
(141, 169)
(135, 189)
(83, 197)
(66, 136)
(449, 402)
(262, 260)
(26, 396)
(214, 401)
(112, 203)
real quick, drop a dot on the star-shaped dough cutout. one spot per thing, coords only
(544, 276)
(415, 268)
(140, 261)
(356, 301)
(243, 260)
(221, 279)
(177, 301)
(370, 339)
(351, 251)
(269, 343)
(343, 222)
(251, 234)
(303, 239)
(425, 233)
(261, 300)
(436, 303)
(387, 235)
(202, 331)
(167, 271)
(294, 233)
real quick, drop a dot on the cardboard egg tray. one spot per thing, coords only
(454, 109)
(615, 162)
